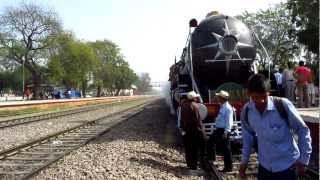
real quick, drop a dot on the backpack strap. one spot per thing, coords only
(246, 123)
(281, 109)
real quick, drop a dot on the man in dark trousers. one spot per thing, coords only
(280, 156)
(1, 88)
(192, 132)
(221, 135)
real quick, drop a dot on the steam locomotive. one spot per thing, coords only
(219, 55)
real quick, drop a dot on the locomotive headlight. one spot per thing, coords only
(228, 44)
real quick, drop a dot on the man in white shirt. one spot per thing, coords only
(278, 77)
(288, 82)
(221, 135)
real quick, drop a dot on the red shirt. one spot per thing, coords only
(302, 75)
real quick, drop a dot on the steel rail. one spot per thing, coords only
(60, 101)
(51, 115)
(28, 144)
(213, 168)
(252, 171)
(212, 171)
(47, 152)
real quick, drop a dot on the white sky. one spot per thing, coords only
(149, 32)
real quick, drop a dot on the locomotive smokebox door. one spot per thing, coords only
(222, 51)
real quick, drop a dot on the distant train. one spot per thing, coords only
(219, 55)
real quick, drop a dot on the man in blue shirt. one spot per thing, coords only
(280, 157)
(221, 134)
(278, 76)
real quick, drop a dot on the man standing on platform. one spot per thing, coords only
(288, 82)
(302, 74)
(277, 74)
(1, 88)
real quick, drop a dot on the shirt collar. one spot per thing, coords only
(224, 104)
(270, 104)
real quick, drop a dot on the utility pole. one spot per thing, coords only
(23, 78)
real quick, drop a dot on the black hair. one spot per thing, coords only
(301, 63)
(258, 83)
(290, 65)
(184, 96)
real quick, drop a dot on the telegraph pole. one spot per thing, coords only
(23, 78)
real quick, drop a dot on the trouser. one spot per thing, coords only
(216, 139)
(193, 144)
(290, 90)
(312, 93)
(264, 174)
(280, 90)
(303, 100)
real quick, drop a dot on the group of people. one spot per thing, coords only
(267, 121)
(296, 84)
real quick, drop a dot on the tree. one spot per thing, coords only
(272, 27)
(106, 51)
(11, 79)
(72, 63)
(26, 35)
(305, 17)
(115, 73)
(144, 83)
(124, 76)
(118, 76)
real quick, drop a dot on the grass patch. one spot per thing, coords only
(8, 113)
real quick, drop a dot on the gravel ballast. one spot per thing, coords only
(144, 147)
(13, 136)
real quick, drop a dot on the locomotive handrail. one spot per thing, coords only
(194, 84)
(217, 60)
(236, 130)
(265, 51)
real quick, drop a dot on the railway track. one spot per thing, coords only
(47, 116)
(214, 168)
(23, 161)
